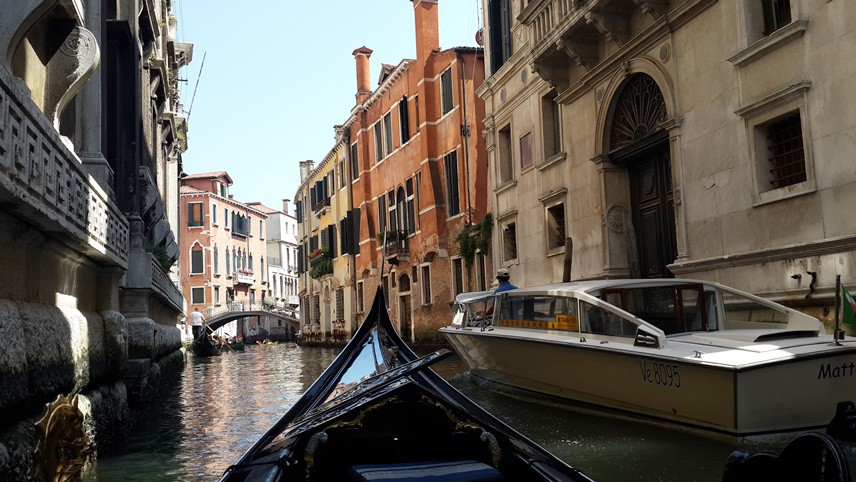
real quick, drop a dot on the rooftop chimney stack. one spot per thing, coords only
(427, 29)
(286, 204)
(364, 82)
(305, 169)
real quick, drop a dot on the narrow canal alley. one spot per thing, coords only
(219, 406)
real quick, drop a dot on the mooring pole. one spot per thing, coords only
(569, 259)
(837, 308)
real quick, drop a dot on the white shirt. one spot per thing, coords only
(196, 318)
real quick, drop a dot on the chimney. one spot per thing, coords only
(305, 169)
(427, 29)
(285, 205)
(364, 82)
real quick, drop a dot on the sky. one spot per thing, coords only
(279, 74)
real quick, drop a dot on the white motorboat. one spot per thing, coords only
(690, 352)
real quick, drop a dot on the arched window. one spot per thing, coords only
(228, 263)
(401, 210)
(197, 260)
(216, 261)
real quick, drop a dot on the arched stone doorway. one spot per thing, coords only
(639, 145)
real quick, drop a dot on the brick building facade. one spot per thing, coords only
(418, 166)
(222, 244)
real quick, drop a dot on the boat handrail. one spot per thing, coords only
(639, 322)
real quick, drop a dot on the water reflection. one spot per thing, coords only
(220, 406)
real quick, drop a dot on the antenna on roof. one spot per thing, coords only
(193, 98)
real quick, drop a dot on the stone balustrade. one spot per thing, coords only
(42, 180)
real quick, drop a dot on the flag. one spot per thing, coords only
(848, 307)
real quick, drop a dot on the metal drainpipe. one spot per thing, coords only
(353, 263)
(465, 133)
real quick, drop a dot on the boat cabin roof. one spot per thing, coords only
(591, 286)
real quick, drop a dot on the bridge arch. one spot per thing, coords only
(219, 316)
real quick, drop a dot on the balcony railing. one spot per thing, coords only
(42, 177)
(396, 244)
(321, 205)
(244, 277)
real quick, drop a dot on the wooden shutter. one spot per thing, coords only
(404, 119)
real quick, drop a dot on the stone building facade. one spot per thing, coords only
(325, 254)
(223, 246)
(688, 138)
(282, 254)
(91, 138)
(419, 168)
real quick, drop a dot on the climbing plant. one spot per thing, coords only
(475, 238)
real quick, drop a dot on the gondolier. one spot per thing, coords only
(196, 322)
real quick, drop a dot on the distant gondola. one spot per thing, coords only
(203, 346)
(378, 412)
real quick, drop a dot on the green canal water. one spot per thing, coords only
(219, 406)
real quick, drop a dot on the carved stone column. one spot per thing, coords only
(619, 252)
(89, 113)
(673, 126)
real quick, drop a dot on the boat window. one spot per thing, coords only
(656, 305)
(744, 313)
(693, 314)
(599, 321)
(671, 308)
(544, 312)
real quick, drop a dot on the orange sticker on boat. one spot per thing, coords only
(568, 322)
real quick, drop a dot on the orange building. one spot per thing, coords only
(222, 244)
(419, 173)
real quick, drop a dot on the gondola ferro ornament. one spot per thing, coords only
(62, 445)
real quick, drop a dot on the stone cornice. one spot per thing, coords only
(769, 255)
(223, 199)
(323, 163)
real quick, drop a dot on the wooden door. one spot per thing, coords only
(653, 204)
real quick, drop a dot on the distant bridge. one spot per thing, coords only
(218, 316)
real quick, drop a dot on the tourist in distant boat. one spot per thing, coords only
(196, 321)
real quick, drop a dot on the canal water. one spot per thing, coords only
(220, 405)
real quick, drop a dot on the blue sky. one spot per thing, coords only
(279, 75)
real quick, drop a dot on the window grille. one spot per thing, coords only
(509, 242)
(556, 226)
(786, 152)
(340, 304)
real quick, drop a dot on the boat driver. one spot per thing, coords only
(504, 279)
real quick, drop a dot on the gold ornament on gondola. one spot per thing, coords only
(62, 445)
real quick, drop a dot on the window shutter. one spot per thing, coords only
(446, 85)
(298, 211)
(404, 119)
(343, 236)
(331, 237)
(355, 226)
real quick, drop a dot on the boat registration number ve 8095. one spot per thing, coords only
(662, 374)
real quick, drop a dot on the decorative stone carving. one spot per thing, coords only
(609, 26)
(639, 112)
(44, 180)
(583, 55)
(62, 445)
(655, 8)
(616, 218)
(69, 68)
